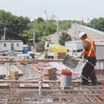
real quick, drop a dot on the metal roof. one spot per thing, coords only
(94, 34)
(92, 29)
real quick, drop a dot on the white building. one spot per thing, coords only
(8, 45)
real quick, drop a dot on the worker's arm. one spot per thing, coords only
(94, 46)
(85, 49)
(83, 53)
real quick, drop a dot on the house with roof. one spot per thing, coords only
(96, 35)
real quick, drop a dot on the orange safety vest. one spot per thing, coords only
(91, 45)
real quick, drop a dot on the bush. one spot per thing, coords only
(40, 45)
(64, 37)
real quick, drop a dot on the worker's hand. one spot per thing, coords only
(95, 67)
(80, 57)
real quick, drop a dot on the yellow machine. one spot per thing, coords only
(52, 48)
(58, 48)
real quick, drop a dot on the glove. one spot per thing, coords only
(79, 57)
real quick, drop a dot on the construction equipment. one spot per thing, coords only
(75, 64)
(54, 49)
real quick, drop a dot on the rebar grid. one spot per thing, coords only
(53, 94)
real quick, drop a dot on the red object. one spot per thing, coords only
(103, 84)
(66, 73)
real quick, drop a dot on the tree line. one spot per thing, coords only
(21, 28)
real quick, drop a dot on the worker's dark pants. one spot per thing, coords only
(89, 72)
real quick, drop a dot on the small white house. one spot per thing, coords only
(11, 45)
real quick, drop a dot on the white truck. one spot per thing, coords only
(74, 47)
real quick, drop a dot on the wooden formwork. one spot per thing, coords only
(52, 94)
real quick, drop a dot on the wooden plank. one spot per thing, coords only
(33, 85)
(31, 60)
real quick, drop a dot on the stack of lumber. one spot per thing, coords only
(14, 75)
(59, 55)
(49, 73)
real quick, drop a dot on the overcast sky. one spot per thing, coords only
(63, 9)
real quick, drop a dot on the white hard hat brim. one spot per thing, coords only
(81, 34)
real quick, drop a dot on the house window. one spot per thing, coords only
(17, 44)
(4, 44)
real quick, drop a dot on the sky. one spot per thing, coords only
(63, 9)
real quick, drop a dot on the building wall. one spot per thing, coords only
(18, 46)
(11, 45)
(5, 46)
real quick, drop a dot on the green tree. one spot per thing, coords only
(65, 24)
(64, 37)
(44, 28)
(40, 45)
(97, 23)
(15, 25)
(28, 34)
(39, 20)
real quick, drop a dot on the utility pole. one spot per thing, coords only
(57, 26)
(57, 22)
(46, 16)
(5, 33)
(34, 27)
(75, 31)
(57, 29)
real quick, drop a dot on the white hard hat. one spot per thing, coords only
(81, 34)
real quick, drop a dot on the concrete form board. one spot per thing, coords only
(5, 69)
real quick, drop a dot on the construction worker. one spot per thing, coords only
(89, 54)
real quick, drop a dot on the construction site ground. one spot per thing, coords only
(32, 88)
(51, 93)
